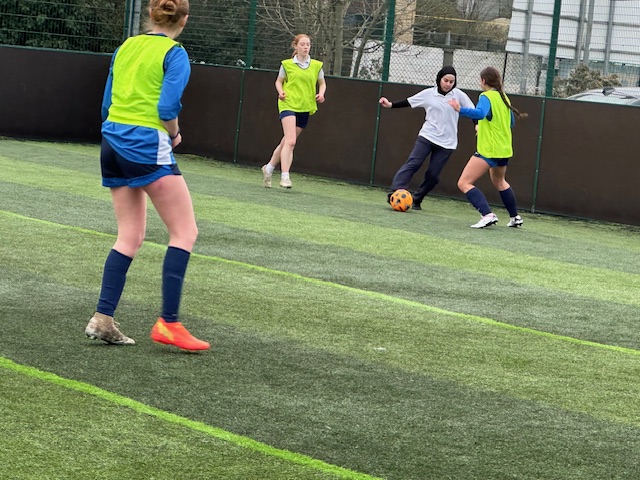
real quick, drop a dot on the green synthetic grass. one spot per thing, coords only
(114, 437)
(349, 341)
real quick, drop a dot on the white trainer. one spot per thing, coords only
(515, 221)
(286, 182)
(486, 221)
(266, 177)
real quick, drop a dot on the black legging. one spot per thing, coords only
(420, 152)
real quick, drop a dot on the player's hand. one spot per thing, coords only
(176, 141)
(319, 98)
(455, 104)
(385, 103)
(282, 95)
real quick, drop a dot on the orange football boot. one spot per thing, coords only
(174, 333)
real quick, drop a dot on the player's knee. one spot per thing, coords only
(136, 243)
(185, 237)
(129, 244)
(194, 233)
(190, 234)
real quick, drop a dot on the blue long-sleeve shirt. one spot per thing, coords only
(482, 110)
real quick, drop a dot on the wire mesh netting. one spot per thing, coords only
(92, 26)
(581, 44)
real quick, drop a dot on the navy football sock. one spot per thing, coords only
(113, 280)
(173, 271)
(478, 200)
(509, 201)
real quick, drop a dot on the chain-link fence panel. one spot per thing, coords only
(581, 44)
(217, 32)
(92, 25)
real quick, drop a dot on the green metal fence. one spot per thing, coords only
(537, 44)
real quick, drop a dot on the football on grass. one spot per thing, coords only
(401, 200)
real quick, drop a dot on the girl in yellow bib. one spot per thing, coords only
(140, 107)
(298, 80)
(496, 118)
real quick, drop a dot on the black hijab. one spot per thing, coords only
(448, 70)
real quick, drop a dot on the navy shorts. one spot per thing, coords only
(494, 162)
(117, 171)
(302, 118)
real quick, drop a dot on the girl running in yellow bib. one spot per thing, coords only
(298, 80)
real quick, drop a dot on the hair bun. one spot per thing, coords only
(167, 13)
(168, 7)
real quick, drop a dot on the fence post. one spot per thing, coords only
(127, 16)
(131, 18)
(239, 117)
(248, 58)
(553, 47)
(524, 66)
(607, 42)
(447, 56)
(388, 39)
